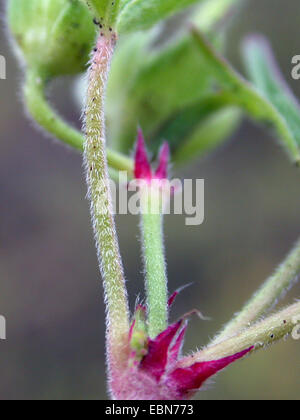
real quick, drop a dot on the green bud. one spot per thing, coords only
(139, 337)
(53, 36)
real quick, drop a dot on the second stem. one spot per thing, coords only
(154, 259)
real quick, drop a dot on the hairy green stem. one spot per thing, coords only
(266, 296)
(42, 112)
(154, 260)
(101, 205)
(262, 334)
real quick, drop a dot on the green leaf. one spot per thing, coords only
(237, 91)
(197, 129)
(168, 80)
(166, 84)
(265, 74)
(213, 131)
(161, 83)
(137, 15)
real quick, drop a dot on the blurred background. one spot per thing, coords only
(50, 288)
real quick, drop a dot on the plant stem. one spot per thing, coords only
(266, 296)
(101, 208)
(42, 112)
(154, 260)
(259, 335)
(105, 10)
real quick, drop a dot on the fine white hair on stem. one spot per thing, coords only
(262, 334)
(96, 169)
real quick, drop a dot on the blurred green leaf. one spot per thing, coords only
(137, 15)
(265, 74)
(183, 123)
(167, 83)
(169, 80)
(213, 131)
(198, 128)
(212, 13)
(237, 91)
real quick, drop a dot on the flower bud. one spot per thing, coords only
(53, 36)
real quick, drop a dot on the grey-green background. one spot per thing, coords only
(50, 289)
